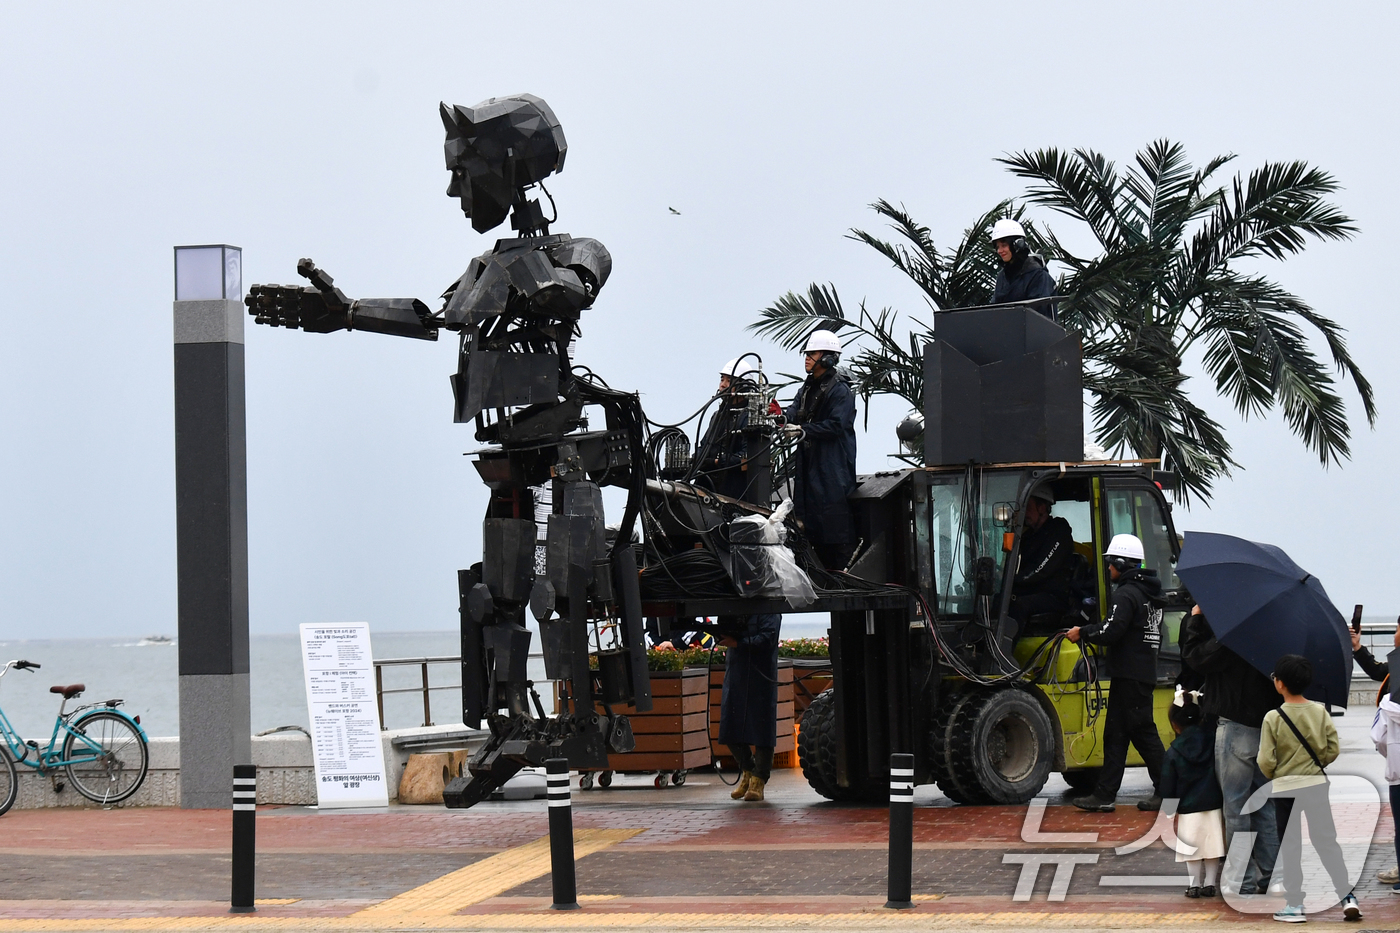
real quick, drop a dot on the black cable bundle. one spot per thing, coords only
(690, 574)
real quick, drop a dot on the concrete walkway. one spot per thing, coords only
(677, 858)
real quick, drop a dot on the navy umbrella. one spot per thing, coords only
(1262, 605)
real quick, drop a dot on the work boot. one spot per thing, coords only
(742, 787)
(1094, 803)
(756, 785)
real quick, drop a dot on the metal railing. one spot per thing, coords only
(424, 688)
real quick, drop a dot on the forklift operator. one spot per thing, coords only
(1043, 577)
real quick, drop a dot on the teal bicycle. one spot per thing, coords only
(101, 749)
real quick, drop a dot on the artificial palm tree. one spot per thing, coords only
(1166, 281)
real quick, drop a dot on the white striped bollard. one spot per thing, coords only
(901, 832)
(561, 835)
(245, 815)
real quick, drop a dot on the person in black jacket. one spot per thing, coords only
(1188, 776)
(1023, 274)
(748, 705)
(723, 450)
(1042, 582)
(822, 422)
(1238, 696)
(1132, 631)
(1376, 670)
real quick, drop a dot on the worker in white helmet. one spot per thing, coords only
(722, 450)
(1023, 275)
(822, 421)
(1132, 632)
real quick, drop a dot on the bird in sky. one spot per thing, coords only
(674, 211)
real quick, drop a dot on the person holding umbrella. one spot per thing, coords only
(1133, 633)
(1236, 697)
(1260, 605)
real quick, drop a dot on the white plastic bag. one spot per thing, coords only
(762, 564)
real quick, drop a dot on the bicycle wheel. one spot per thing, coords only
(108, 761)
(9, 782)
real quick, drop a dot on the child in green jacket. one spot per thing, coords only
(1296, 742)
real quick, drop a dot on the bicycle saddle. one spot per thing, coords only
(70, 691)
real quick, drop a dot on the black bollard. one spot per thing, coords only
(901, 832)
(561, 835)
(245, 815)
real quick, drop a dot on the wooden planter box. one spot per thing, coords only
(786, 742)
(672, 736)
(810, 677)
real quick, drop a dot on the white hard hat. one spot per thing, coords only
(1044, 494)
(1006, 228)
(743, 367)
(1128, 547)
(822, 340)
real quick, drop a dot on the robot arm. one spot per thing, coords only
(322, 308)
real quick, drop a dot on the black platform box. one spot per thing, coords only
(1002, 385)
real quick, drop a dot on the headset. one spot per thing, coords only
(1121, 564)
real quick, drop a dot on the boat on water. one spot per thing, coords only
(156, 640)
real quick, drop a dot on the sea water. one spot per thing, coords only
(145, 674)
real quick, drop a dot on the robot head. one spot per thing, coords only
(496, 148)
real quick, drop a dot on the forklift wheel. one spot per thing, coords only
(958, 784)
(605, 779)
(816, 752)
(1002, 744)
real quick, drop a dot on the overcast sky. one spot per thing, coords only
(311, 130)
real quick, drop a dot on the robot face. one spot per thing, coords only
(496, 148)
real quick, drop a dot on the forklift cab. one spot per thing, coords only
(1098, 507)
(977, 525)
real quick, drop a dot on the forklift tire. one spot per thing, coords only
(1002, 742)
(1081, 780)
(816, 748)
(958, 785)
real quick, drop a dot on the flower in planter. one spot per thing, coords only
(665, 660)
(804, 648)
(703, 657)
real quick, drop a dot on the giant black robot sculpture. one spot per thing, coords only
(516, 308)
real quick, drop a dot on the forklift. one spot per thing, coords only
(1002, 421)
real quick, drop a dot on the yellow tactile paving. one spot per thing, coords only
(491, 876)
(584, 919)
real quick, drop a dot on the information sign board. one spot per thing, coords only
(340, 697)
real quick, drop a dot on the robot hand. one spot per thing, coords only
(320, 309)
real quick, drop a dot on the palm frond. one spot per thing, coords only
(1140, 405)
(1082, 185)
(790, 319)
(1270, 213)
(1260, 358)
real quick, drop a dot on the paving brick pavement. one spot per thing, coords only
(700, 861)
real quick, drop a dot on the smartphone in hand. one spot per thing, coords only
(1356, 619)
